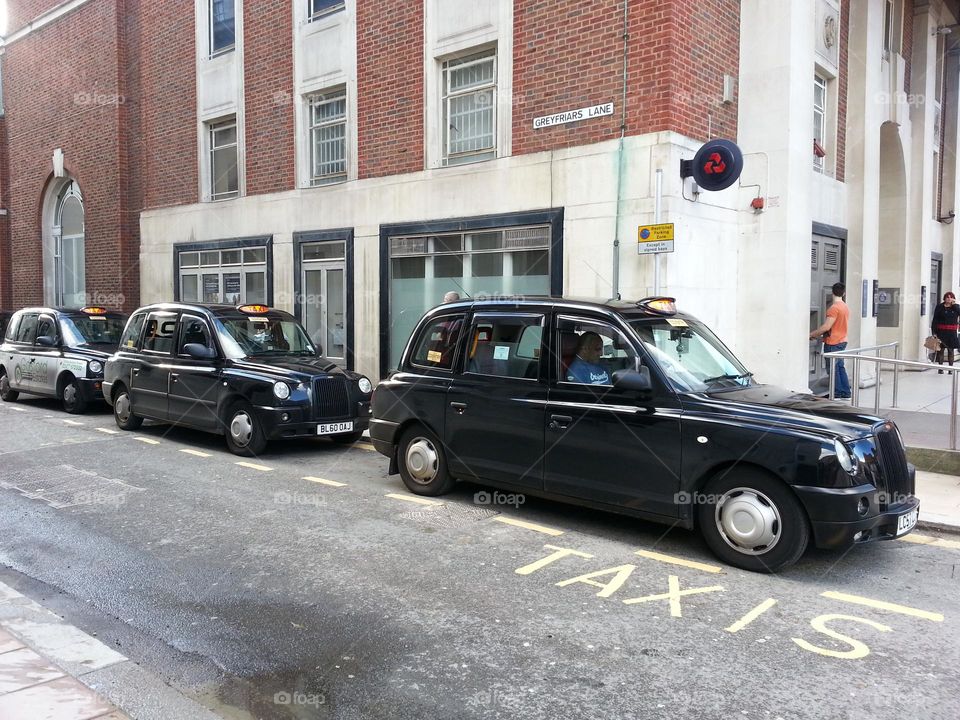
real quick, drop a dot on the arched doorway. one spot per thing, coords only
(64, 245)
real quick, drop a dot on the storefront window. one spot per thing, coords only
(233, 276)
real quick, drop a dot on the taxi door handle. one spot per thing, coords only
(560, 422)
(459, 407)
(136, 371)
(174, 377)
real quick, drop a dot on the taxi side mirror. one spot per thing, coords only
(46, 340)
(638, 380)
(198, 351)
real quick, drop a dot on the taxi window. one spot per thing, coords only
(28, 328)
(11, 333)
(47, 326)
(505, 346)
(592, 351)
(437, 346)
(193, 330)
(159, 334)
(132, 332)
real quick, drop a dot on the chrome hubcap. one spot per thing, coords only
(122, 407)
(748, 521)
(422, 460)
(70, 394)
(241, 428)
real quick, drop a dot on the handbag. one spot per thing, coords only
(932, 343)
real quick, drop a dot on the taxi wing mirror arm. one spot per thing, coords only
(198, 351)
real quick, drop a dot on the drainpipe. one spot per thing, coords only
(620, 156)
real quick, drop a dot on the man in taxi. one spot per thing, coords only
(585, 368)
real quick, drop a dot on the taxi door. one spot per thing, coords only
(194, 383)
(46, 357)
(603, 444)
(18, 358)
(150, 370)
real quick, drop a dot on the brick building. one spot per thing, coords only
(352, 161)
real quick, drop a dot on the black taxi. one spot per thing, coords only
(250, 373)
(58, 352)
(637, 408)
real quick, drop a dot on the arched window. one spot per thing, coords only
(69, 248)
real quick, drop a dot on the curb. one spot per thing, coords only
(939, 526)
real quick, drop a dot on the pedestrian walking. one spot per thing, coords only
(944, 324)
(834, 334)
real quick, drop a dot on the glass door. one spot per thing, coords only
(324, 308)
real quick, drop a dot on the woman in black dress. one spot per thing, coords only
(945, 323)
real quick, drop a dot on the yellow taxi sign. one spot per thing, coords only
(655, 238)
(93, 310)
(661, 305)
(254, 309)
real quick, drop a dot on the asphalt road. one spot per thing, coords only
(265, 594)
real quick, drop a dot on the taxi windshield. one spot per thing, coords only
(250, 336)
(691, 356)
(83, 330)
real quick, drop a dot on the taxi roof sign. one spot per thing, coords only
(659, 305)
(254, 309)
(93, 310)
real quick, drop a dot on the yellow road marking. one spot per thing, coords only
(679, 561)
(364, 446)
(940, 542)
(674, 595)
(148, 441)
(73, 422)
(932, 541)
(752, 615)
(108, 431)
(918, 539)
(529, 525)
(254, 466)
(188, 451)
(324, 481)
(881, 605)
(558, 553)
(413, 499)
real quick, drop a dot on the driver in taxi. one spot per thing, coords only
(585, 368)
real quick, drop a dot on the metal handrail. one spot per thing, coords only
(897, 363)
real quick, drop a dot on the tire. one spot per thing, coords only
(73, 401)
(347, 438)
(243, 431)
(7, 394)
(123, 413)
(423, 462)
(773, 529)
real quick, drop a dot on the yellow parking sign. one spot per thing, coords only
(655, 238)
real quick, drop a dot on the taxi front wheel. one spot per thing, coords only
(6, 393)
(753, 521)
(123, 411)
(423, 464)
(73, 401)
(244, 432)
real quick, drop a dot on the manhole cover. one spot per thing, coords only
(450, 516)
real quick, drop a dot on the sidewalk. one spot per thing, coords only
(939, 501)
(50, 670)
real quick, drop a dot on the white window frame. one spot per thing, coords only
(461, 61)
(324, 12)
(210, 129)
(210, 25)
(820, 133)
(220, 269)
(311, 101)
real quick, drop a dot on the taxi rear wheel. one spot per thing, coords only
(753, 521)
(243, 431)
(73, 401)
(423, 463)
(6, 393)
(123, 411)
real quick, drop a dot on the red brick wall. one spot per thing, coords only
(21, 12)
(842, 90)
(390, 87)
(268, 97)
(6, 291)
(571, 56)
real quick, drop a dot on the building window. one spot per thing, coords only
(322, 8)
(469, 108)
(888, 26)
(819, 122)
(328, 137)
(224, 168)
(222, 26)
(229, 275)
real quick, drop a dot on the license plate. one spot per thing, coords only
(334, 428)
(906, 521)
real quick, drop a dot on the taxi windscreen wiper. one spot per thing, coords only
(729, 376)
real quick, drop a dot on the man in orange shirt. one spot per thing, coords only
(838, 314)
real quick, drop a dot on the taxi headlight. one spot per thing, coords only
(281, 390)
(96, 366)
(365, 385)
(846, 460)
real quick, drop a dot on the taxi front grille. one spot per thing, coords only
(331, 400)
(893, 466)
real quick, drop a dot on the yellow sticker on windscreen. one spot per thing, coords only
(434, 356)
(677, 322)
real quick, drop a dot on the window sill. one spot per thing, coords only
(224, 198)
(462, 160)
(221, 53)
(319, 183)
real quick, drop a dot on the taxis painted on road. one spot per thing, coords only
(58, 352)
(637, 408)
(249, 373)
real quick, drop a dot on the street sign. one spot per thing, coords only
(655, 239)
